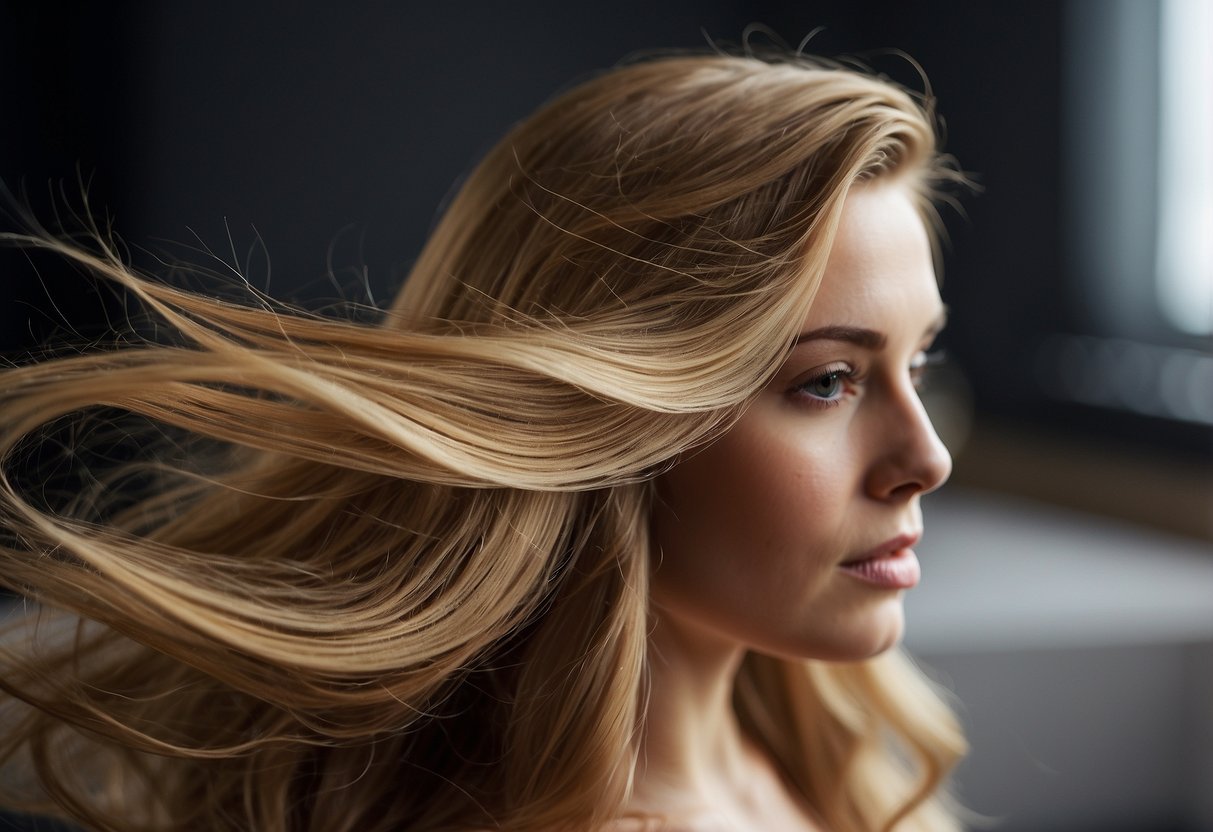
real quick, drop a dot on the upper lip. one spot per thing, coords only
(901, 541)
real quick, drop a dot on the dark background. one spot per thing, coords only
(332, 135)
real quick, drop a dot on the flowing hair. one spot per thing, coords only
(395, 576)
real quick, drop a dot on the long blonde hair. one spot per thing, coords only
(405, 586)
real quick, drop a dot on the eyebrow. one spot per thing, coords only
(869, 339)
(866, 338)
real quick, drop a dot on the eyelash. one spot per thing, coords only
(851, 377)
(841, 372)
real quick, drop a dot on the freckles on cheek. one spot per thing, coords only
(753, 481)
(766, 491)
(754, 490)
(783, 473)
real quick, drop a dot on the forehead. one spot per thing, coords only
(881, 256)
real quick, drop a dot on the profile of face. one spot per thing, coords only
(792, 533)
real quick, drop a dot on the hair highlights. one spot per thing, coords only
(411, 592)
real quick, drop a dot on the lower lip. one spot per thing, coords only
(898, 570)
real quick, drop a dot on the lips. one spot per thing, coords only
(891, 565)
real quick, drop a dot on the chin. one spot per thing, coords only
(849, 641)
(880, 636)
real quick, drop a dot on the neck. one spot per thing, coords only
(693, 744)
(697, 767)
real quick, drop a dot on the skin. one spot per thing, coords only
(828, 463)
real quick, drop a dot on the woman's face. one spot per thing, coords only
(792, 533)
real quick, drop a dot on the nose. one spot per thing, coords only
(910, 458)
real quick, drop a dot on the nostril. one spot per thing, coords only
(906, 491)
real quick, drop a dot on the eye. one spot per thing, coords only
(827, 386)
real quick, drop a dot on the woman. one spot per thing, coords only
(605, 527)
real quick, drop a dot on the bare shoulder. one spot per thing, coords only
(626, 825)
(640, 825)
(658, 823)
(651, 824)
(647, 823)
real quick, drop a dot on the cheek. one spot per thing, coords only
(750, 519)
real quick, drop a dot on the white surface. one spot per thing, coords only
(1001, 573)
(1081, 653)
